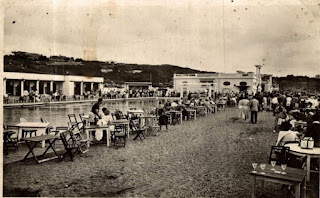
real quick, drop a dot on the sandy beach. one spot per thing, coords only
(210, 156)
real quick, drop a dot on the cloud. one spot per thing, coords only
(282, 35)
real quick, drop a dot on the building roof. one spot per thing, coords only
(139, 83)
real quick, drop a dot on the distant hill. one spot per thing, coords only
(160, 75)
(298, 83)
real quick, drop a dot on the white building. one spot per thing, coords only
(215, 82)
(15, 83)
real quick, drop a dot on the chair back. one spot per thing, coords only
(280, 154)
(72, 118)
(83, 121)
(163, 120)
(295, 161)
(74, 124)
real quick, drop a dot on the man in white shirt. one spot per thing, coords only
(288, 103)
(274, 104)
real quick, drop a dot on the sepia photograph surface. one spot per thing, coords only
(160, 98)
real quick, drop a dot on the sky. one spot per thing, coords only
(210, 35)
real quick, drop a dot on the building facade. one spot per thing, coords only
(137, 86)
(215, 82)
(15, 83)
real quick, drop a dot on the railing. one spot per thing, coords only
(44, 99)
(183, 75)
(207, 75)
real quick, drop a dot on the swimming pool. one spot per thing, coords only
(57, 114)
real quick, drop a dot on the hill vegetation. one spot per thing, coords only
(159, 75)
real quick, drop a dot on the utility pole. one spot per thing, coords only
(258, 76)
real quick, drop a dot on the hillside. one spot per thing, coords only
(160, 75)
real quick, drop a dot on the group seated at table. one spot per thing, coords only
(287, 134)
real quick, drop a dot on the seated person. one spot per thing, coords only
(174, 104)
(106, 117)
(313, 130)
(286, 135)
(281, 117)
(105, 120)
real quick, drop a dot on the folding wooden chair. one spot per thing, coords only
(280, 154)
(78, 140)
(135, 127)
(12, 136)
(70, 147)
(163, 120)
(43, 120)
(74, 123)
(118, 134)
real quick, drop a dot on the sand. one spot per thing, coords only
(210, 156)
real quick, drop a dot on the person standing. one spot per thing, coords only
(95, 110)
(254, 108)
(313, 130)
(274, 104)
(244, 108)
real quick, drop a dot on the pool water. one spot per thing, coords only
(57, 115)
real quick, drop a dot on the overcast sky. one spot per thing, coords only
(215, 35)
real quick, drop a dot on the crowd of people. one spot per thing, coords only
(296, 115)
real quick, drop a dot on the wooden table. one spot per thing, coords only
(122, 122)
(135, 112)
(39, 126)
(149, 121)
(202, 110)
(310, 153)
(192, 112)
(214, 107)
(90, 128)
(37, 139)
(222, 104)
(293, 177)
(176, 113)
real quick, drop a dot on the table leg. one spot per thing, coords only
(195, 115)
(253, 186)
(308, 167)
(297, 191)
(108, 137)
(31, 151)
(50, 145)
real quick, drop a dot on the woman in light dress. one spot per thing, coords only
(244, 108)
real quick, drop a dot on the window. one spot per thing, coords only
(243, 83)
(226, 83)
(206, 81)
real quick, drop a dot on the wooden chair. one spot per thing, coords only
(70, 146)
(135, 127)
(118, 134)
(280, 154)
(163, 120)
(10, 137)
(77, 139)
(74, 123)
(43, 120)
(83, 121)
